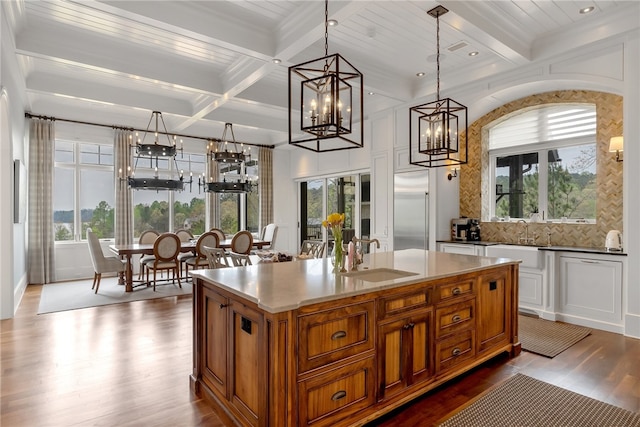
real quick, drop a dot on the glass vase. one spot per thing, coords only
(337, 257)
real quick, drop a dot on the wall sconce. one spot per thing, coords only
(453, 173)
(616, 145)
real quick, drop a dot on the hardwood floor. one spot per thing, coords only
(129, 365)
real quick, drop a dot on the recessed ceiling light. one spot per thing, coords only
(371, 93)
(420, 74)
(586, 10)
(474, 53)
(332, 23)
(276, 60)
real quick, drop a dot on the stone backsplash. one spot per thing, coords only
(474, 176)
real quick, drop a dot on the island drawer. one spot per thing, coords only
(455, 317)
(396, 304)
(329, 397)
(451, 291)
(457, 349)
(331, 335)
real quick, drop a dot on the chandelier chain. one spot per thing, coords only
(326, 27)
(438, 56)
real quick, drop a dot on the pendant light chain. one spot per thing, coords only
(438, 57)
(326, 27)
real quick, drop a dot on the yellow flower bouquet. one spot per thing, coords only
(334, 223)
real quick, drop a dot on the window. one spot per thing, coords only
(544, 161)
(83, 189)
(240, 211)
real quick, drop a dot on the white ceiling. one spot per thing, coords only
(204, 63)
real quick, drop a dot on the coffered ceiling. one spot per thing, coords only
(204, 63)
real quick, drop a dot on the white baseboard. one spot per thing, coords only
(632, 325)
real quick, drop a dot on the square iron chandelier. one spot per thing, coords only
(326, 102)
(438, 129)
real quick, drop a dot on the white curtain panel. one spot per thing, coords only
(124, 203)
(213, 200)
(265, 185)
(40, 249)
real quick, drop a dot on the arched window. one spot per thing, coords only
(543, 160)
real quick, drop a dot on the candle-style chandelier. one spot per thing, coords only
(438, 129)
(326, 102)
(232, 157)
(156, 152)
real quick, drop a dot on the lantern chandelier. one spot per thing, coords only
(438, 129)
(154, 152)
(326, 102)
(232, 157)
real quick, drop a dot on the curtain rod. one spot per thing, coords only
(35, 116)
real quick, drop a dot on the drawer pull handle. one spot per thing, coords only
(456, 318)
(339, 395)
(456, 291)
(338, 335)
(223, 306)
(456, 352)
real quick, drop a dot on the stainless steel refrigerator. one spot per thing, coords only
(411, 210)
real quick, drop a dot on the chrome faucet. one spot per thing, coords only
(357, 259)
(526, 239)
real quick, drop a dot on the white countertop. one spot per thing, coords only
(278, 287)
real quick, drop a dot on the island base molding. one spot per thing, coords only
(348, 361)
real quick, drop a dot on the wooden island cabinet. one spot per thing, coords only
(292, 344)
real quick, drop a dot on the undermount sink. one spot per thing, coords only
(378, 274)
(529, 255)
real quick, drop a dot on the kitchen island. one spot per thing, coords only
(288, 344)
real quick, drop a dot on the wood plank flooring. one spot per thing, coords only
(129, 365)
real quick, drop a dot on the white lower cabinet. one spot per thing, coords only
(591, 289)
(530, 290)
(461, 248)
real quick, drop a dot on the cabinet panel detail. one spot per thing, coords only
(329, 336)
(452, 351)
(215, 339)
(401, 303)
(530, 289)
(494, 304)
(343, 391)
(455, 317)
(451, 291)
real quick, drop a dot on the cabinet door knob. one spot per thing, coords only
(338, 335)
(456, 291)
(456, 352)
(223, 306)
(456, 318)
(339, 395)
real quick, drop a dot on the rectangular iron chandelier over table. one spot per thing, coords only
(326, 102)
(438, 129)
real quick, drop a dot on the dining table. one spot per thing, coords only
(127, 252)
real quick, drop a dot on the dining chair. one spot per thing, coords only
(165, 252)
(312, 248)
(101, 263)
(269, 235)
(185, 236)
(220, 233)
(240, 260)
(198, 260)
(216, 257)
(146, 238)
(242, 242)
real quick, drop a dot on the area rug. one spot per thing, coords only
(525, 401)
(78, 294)
(548, 338)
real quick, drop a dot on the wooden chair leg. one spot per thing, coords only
(98, 282)
(95, 276)
(179, 284)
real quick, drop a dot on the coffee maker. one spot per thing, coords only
(465, 229)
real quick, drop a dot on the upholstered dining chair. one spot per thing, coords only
(216, 257)
(147, 237)
(101, 263)
(199, 260)
(269, 235)
(242, 242)
(220, 233)
(165, 252)
(239, 260)
(184, 235)
(312, 248)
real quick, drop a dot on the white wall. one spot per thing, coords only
(12, 146)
